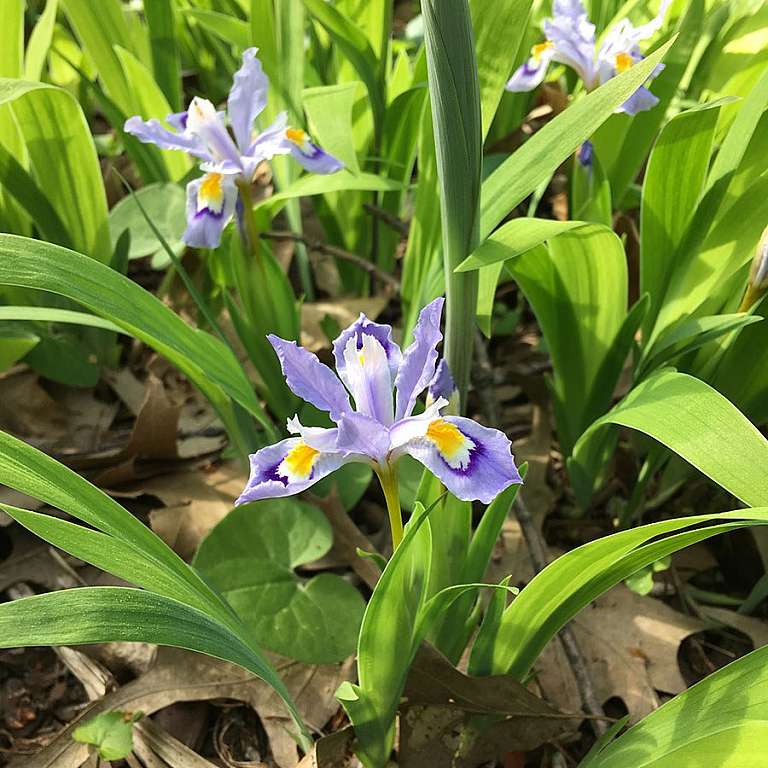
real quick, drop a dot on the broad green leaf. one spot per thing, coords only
(208, 363)
(689, 335)
(696, 422)
(314, 184)
(110, 732)
(12, 39)
(722, 721)
(22, 186)
(577, 287)
(742, 372)
(150, 102)
(497, 26)
(514, 238)
(40, 42)
(99, 28)
(114, 614)
(374, 17)
(702, 287)
(387, 644)
(63, 161)
(454, 92)
(353, 44)
(166, 63)
(673, 185)
(250, 557)
(232, 30)
(329, 110)
(30, 471)
(540, 156)
(165, 204)
(14, 344)
(556, 594)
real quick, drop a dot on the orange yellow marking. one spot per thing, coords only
(623, 62)
(446, 437)
(300, 460)
(211, 190)
(296, 135)
(539, 49)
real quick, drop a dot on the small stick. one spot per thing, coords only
(392, 221)
(336, 252)
(537, 549)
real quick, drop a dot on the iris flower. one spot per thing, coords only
(570, 40)
(228, 157)
(472, 461)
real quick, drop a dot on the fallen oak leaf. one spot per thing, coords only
(185, 676)
(457, 721)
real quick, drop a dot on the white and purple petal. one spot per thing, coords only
(442, 384)
(362, 327)
(205, 123)
(368, 378)
(530, 73)
(153, 132)
(211, 203)
(247, 98)
(309, 155)
(286, 468)
(363, 436)
(310, 379)
(572, 37)
(473, 462)
(419, 360)
(640, 101)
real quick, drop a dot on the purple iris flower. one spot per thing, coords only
(472, 461)
(570, 40)
(228, 157)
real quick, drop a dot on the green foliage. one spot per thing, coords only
(250, 557)
(111, 733)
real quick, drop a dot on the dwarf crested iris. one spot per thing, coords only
(472, 461)
(228, 158)
(570, 40)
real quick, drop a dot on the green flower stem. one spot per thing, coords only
(391, 487)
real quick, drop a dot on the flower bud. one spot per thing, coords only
(758, 275)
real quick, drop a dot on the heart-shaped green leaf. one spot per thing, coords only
(110, 732)
(250, 557)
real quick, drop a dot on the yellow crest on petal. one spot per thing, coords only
(298, 462)
(454, 446)
(211, 192)
(539, 49)
(296, 135)
(623, 62)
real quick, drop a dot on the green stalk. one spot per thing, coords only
(454, 93)
(391, 487)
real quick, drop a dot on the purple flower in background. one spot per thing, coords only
(472, 461)
(227, 158)
(570, 40)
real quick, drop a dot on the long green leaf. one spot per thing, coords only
(696, 422)
(209, 364)
(63, 161)
(54, 315)
(40, 42)
(673, 185)
(166, 63)
(571, 582)
(114, 614)
(12, 39)
(722, 721)
(454, 92)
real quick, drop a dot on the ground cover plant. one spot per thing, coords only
(382, 382)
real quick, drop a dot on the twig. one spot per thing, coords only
(537, 550)
(392, 221)
(336, 252)
(483, 380)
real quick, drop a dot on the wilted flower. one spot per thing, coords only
(570, 40)
(472, 461)
(228, 157)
